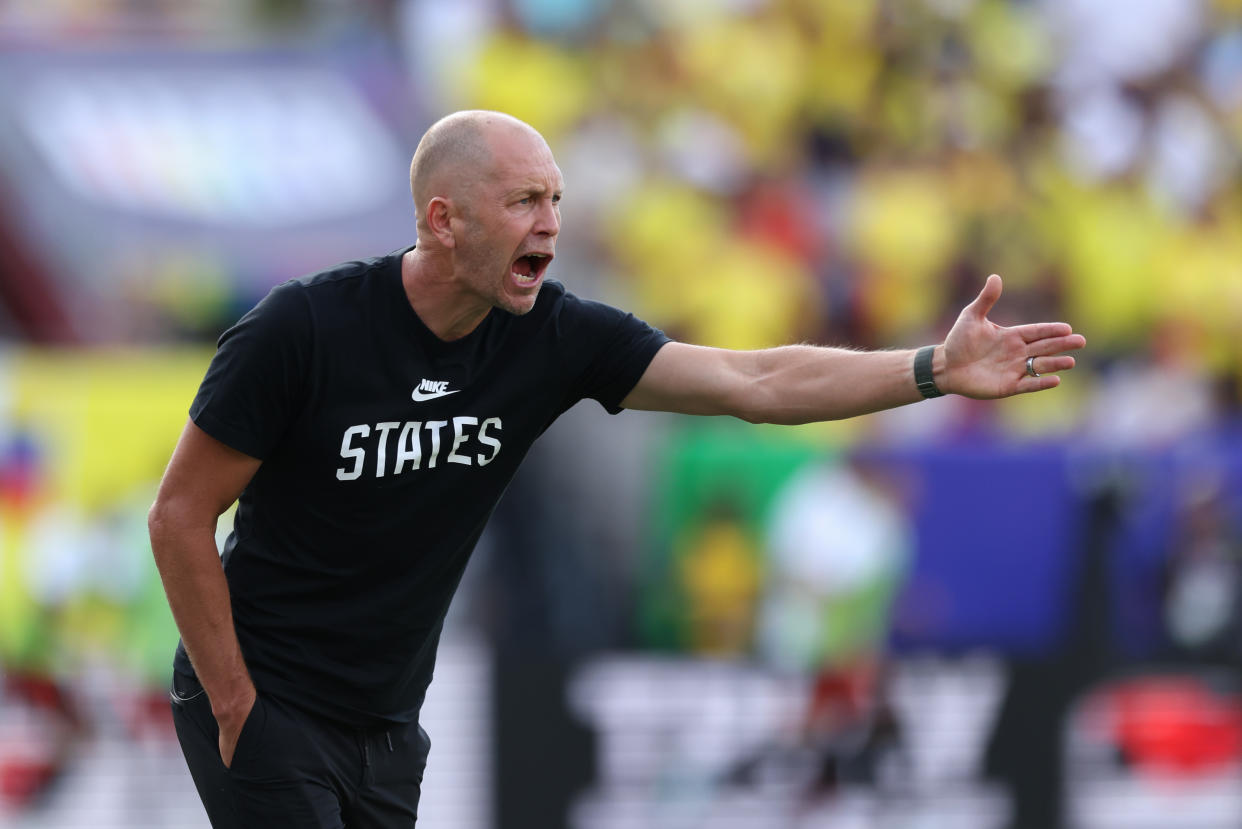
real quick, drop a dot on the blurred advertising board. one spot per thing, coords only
(84, 437)
(949, 547)
(86, 636)
(1156, 748)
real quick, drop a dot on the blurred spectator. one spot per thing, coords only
(1203, 588)
(839, 543)
(837, 549)
(1156, 399)
(720, 570)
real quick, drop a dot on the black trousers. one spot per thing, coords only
(293, 769)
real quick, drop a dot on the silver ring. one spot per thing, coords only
(1030, 367)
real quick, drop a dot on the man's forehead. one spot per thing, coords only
(534, 169)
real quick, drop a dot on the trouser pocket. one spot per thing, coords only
(199, 737)
(250, 738)
(185, 689)
(190, 705)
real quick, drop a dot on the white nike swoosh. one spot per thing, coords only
(419, 395)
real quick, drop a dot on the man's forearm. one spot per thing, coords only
(802, 383)
(198, 595)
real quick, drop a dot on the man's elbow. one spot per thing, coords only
(760, 404)
(158, 522)
(774, 410)
(775, 418)
(745, 404)
(165, 523)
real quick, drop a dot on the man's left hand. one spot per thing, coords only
(984, 360)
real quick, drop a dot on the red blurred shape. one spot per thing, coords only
(1177, 726)
(21, 781)
(782, 214)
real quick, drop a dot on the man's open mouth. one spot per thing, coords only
(529, 269)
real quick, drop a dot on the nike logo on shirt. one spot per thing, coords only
(431, 389)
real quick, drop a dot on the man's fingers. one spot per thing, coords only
(1046, 381)
(983, 303)
(1048, 365)
(1056, 345)
(227, 749)
(1034, 331)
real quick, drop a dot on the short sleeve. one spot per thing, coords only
(255, 383)
(612, 349)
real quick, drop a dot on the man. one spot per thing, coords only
(367, 419)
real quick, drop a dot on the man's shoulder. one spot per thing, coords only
(347, 273)
(335, 293)
(555, 300)
(554, 297)
(571, 320)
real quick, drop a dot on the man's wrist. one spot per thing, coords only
(925, 365)
(235, 701)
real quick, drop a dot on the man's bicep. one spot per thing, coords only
(692, 379)
(204, 477)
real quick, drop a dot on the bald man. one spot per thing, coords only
(366, 420)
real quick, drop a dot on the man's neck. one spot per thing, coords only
(437, 297)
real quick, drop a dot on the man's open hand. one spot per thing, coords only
(985, 360)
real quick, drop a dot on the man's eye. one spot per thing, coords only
(556, 199)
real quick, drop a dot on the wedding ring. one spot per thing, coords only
(1030, 367)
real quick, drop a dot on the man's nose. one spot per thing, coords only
(548, 222)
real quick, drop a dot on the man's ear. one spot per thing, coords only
(439, 217)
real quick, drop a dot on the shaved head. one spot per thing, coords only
(487, 194)
(456, 152)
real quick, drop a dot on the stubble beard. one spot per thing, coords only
(488, 279)
(480, 266)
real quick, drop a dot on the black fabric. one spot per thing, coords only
(293, 769)
(384, 452)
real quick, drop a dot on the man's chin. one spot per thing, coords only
(519, 305)
(522, 310)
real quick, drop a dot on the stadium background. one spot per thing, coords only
(1025, 613)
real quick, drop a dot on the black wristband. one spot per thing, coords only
(923, 372)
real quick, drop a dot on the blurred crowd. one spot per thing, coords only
(745, 173)
(755, 173)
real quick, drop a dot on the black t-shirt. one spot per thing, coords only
(384, 451)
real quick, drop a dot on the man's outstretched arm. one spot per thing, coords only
(202, 480)
(802, 384)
